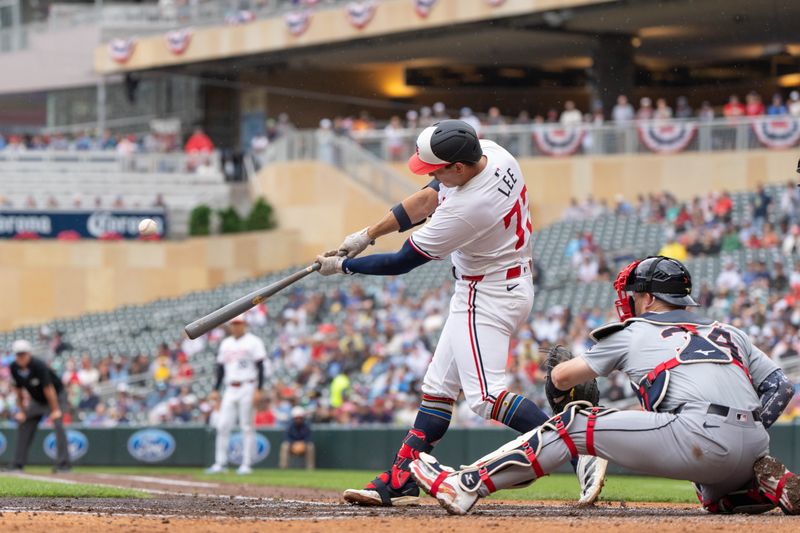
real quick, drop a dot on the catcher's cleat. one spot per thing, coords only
(393, 488)
(591, 473)
(442, 483)
(779, 485)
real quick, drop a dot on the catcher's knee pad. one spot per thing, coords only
(748, 500)
(517, 463)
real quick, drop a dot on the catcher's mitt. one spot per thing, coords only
(557, 398)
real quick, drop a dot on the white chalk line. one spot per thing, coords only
(161, 480)
(34, 477)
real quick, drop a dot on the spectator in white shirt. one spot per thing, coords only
(571, 116)
(794, 104)
(794, 277)
(729, 279)
(623, 111)
(88, 376)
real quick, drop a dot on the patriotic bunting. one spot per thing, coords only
(777, 133)
(178, 40)
(360, 13)
(121, 50)
(558, 141)
(423, 7)
(298, 21)
(667, 137)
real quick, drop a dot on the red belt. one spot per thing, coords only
(511, 273)
(240, 383)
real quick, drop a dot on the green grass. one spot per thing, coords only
(11, 486)
(555, 487)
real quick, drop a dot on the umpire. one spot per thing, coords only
(46, 397)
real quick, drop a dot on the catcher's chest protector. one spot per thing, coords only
(716, 347)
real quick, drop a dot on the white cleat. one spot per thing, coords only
(216, 469)
(591, 472)
(442, 483)
(244, 470)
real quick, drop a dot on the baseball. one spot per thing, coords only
(148, 227)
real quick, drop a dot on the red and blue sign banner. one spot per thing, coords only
(360, 13)
(121, 50)
(73, 224)
(423, 7)
(667, 137)
(178, 40)
(298, 21)
(778, 133)
(558, 140)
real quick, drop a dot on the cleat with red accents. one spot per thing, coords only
(393, 488)
(778, 484)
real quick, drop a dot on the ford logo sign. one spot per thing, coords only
(77, 443)
(3, 444)
(235, 447)
(151, 445)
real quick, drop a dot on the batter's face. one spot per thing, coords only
(452, 175)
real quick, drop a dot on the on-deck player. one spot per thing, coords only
(479, 205)
(240, 365)
(708, 395)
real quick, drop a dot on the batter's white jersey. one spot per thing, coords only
(239, 357)
(485, 224)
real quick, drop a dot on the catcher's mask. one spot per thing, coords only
(665, 278)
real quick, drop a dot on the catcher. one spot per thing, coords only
(707, 394)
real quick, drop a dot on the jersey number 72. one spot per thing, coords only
(520, 206)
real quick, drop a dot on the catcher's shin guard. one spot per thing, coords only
(395, 487)
(778, 484)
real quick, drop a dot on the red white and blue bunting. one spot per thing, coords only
(423, 7)
(360, 13)
(667, 137)
(298, 21)
(121, 50)
(778, 133)
(178, 40)
(558, 141)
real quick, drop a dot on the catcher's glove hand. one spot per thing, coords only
(557, 398)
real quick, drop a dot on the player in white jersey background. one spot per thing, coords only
(478, 203)
(240, 366)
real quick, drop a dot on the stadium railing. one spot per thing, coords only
(651, 136)
(360, 165)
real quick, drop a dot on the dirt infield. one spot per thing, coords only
(179, 504)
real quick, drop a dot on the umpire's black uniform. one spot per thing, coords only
(34, 377)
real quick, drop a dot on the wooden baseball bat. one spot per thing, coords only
(237, 307)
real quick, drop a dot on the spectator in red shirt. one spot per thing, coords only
(199, 142)
(733, 108)
(723, 206)
(754, 107)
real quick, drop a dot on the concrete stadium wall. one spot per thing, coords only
(43, 280)
(347, 448)
(327, 26)
(552, 182)
(321, 204)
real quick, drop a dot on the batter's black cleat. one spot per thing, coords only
(13, 468)
(393, 488)
(781, 486)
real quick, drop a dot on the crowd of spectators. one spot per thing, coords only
(356, 354)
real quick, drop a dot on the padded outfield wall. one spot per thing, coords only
(347, 448)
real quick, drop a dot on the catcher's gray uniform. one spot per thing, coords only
(699, 375)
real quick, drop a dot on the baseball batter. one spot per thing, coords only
(699, 382)
(240, 365)
(480, 218)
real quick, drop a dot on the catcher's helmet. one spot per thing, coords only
(445, 143)
(665, 278)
